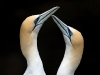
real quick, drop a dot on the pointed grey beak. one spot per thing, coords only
(63, 27)
(44, 16)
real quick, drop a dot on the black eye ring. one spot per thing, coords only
(36, 20)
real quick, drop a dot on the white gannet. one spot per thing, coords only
(74, 48)
(28, 41)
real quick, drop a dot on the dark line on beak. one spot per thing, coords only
(41, 19)
(69, 31)
(35, 26)
(65, 29)
(46, 15)
(61, 25)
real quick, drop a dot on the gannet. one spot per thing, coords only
(28, 41)
(74, 43)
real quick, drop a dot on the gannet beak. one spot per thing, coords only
(44, 16)
(63, 27)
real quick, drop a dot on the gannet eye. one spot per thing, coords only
(70, 32)
(36, 20)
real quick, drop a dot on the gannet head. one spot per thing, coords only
(74, 48)
(33, 23)
(30, 28)
(71, 35)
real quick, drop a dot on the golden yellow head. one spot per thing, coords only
(28, 24)
(71, 36)
(35, 22)
(77, 38)
(31, 26)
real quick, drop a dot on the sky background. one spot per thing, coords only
(83, 15)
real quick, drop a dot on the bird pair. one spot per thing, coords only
(28, 41)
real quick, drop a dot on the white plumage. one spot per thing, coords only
(28, 41)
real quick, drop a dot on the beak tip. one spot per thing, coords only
(58, 7)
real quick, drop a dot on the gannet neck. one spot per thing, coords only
(66, 68)
(73, 53)
(30, 52)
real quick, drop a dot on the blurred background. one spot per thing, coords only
(83, 15)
